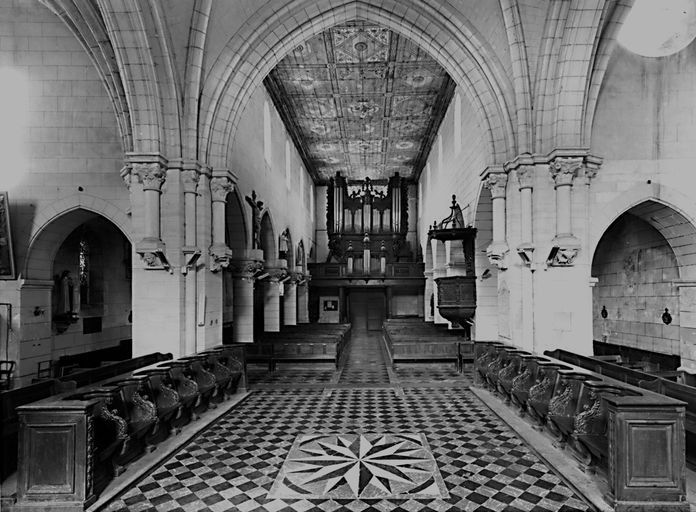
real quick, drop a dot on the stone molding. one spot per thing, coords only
(497, 253)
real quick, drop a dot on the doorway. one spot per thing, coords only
(366, 309)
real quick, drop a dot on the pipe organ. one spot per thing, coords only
(368, 219)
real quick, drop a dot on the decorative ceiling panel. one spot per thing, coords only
(361, 100)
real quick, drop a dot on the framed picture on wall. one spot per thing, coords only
(7, 267)
(330, 305)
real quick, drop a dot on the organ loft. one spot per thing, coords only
(352, 255)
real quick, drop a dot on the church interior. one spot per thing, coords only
(364, 255)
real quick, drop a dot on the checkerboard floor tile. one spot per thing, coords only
(233, 464)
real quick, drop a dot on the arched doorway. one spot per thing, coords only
(237, 240)
(640, 263)
(86, 259)
(491, 307)
(264, 298)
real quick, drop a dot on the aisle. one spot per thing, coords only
(365, 364)
(358, 443)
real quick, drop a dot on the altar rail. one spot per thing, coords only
(311, 343)
(414, 340)
(71, 445)
(646, 381)
(634, 435)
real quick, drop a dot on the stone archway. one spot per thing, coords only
(644, 265)
(79, 280)
(488, 301)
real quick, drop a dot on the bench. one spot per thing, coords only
(413, 340)
(635, 434)
(71, 445)
(312, 343)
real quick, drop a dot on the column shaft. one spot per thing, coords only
(243, 311)
(290, 304)
(271, 306)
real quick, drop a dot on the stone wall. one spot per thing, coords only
(635, 268)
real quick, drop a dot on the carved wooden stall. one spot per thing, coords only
(71, 445)
(633, 436)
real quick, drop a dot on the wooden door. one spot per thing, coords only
(367, 310)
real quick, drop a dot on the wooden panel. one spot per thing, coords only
(650, 459)
(52, 453)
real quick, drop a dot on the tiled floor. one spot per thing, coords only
(372, 446)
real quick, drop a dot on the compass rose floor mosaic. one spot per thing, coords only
(411, 440)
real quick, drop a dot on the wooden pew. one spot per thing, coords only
(635, 434)
(413, 340)
(9, 422)
(323, 343)
(72, 444)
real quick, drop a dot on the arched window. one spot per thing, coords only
(83, 269)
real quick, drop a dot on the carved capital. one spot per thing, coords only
(219, 188)
(245, 269)
(525, 176)
(564, 170)
(564, 251)
(277, 274)
(190, 180)
(497, 253)
(220, 257)
(151, 175)
(496, 183)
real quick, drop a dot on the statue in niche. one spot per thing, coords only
(66, 290)
(256, 208)
(283, 244)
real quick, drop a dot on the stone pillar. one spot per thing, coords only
(496, 182)
(303, 303)
(686, 330)
(189, 179)
(243, 272)
(428, 315)
(290, 303)
(525, 177)
(221, 185)
(152, 176)
(271, 299)
(565, 245)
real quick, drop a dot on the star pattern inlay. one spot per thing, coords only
(359, 466)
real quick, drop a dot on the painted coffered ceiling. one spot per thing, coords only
(361, 100)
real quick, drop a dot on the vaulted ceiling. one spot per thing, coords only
(361, 100)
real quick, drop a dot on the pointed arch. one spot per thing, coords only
(256, 49)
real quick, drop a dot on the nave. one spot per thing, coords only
(304, 438)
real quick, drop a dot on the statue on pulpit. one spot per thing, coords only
(456, 218)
